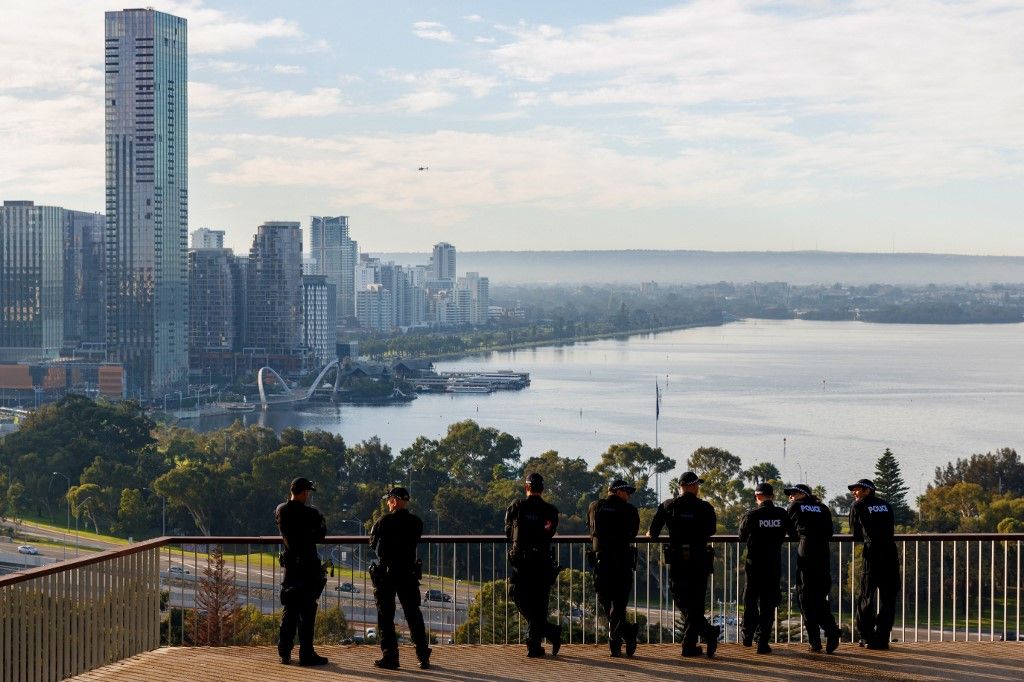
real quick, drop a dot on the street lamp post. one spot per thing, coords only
(67, 502)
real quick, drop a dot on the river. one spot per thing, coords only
(821, 400)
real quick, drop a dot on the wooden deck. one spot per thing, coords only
(578, 663)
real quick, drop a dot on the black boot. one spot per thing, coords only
(692, 650)
(711, 639)
(631, 634)
(832, 641)
(424, 656)
(555, 638)
(534, 651)
(387, 662)
(763, 648)
(615, 646)
(311, 658)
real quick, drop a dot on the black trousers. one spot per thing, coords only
(407, 589)
(299, 594)
(688, 581)
(531, 588)
(613, 580)
(879, 587)
(814, 578)
(761, 596)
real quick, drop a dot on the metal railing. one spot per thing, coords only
(62, 619)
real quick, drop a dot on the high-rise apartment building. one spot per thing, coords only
(31, 281)
(480, 295)
(84, 279)
(373, 308)
(274, 289)
(319, 318)
(205, 238)
(213, 316)
(336, 256)
(442, 263)
(146, 102)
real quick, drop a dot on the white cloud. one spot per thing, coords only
(437, 87)
(288, 69)
(432, 30)
(207, 100)
(474, 18)
(484, 41)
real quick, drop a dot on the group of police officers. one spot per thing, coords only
(530, 524)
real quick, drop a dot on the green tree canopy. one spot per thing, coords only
(722, 487)
(890, 486)
(634, 463)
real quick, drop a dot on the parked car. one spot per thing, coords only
(27, 549)
(179, 570)
(346, 587)
(436, 595)
(371, 635)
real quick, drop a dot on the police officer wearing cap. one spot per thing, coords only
(813, 522)
(614, 524)
(394, 538)
(872, 522)
(529, 525)
(691, 522)
(301, 526)
(763, 529)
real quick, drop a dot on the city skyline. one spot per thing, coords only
(723, 126)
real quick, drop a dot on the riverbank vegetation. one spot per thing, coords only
(121, 467)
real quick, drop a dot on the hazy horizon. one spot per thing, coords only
(725, 125)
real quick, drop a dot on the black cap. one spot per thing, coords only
(618, 484)
(689, 478)
(398, 493)
(799, 488)
(862, 483)
(535, 481)
(301, 485)
(765, 489)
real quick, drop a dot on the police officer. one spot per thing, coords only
(813, 522)
(691, 522)
(301, 527)
(394, 538)
(764, 529)
(613, 524)
(872, 521)
(529, 525)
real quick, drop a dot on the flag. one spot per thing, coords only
(657, 400)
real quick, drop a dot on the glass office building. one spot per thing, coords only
(147, 199)
(335, 255)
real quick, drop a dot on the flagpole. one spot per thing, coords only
(657, 415)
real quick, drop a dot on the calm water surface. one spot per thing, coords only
(839, 393)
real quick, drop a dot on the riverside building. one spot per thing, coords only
(146, 103)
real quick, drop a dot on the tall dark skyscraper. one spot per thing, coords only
(335, 254)
(147, 198)
(274, 289)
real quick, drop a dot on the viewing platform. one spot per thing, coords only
(991, 661)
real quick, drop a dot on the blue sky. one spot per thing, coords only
(723, 125)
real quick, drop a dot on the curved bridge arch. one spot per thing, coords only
(263, 390)
(290, 395)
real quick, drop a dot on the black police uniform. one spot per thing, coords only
(301, 527)
(813, 522)
(691, 522)
(764, 529)
(529, 525)
(872, 521)
(394, 538)
(613, 525)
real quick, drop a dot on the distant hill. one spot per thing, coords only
(694, 267)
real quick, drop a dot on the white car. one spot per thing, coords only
(27, 549)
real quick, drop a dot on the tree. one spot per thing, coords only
(216, 616)
(473, 454)
(568, 483)
(133, 516)
(890, 486)
(722, 487)
(956, 507)
(371, 462)
(635, 463)
(763, 472)
(1000, 472)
